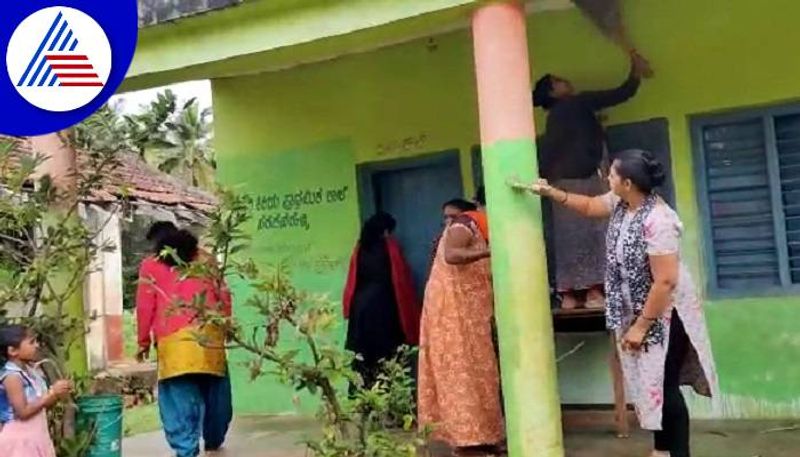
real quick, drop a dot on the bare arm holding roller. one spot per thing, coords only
(594, 207)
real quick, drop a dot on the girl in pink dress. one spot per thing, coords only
(24, 396)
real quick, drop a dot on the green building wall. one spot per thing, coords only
(307, 128)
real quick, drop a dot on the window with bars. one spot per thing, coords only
(749, 191)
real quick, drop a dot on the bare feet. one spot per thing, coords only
(568, 301)
(659, 454)
(595, 299)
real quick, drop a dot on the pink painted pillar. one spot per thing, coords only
(522, 302)
(502, 72)
(61, 161)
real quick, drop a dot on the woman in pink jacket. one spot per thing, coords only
(194, 391)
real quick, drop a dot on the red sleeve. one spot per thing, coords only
(350, 285)
(145, 304)
(407, 304)
(227, 300)
(220, 286)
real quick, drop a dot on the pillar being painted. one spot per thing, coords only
(522, 302)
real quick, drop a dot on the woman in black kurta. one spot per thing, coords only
(571, 154)
(374, 330)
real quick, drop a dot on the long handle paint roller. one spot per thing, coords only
(607, 16)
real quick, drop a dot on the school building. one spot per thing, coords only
(328, 110)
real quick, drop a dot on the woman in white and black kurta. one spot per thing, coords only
(651, 300)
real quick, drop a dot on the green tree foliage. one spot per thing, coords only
(46, 253)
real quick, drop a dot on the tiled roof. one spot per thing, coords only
(138, 181)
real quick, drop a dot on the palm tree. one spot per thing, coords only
(186, 150)
(176, 141)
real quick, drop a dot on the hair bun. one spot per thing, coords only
(642, 168)
(655, 169)
(541, 92)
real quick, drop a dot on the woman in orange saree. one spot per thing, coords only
(459, 381)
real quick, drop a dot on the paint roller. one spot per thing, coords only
(607, 16)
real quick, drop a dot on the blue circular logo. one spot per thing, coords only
(63, 60)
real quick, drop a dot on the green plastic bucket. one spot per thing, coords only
(101, 415)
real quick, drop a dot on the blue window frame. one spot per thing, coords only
(748, 175)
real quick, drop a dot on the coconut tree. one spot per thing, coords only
(186, 150)
(174, 138)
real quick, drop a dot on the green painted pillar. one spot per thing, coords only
(77, 358)
(60, 165)
(522, 303)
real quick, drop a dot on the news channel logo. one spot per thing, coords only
(63, 61)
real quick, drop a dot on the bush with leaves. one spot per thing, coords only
(367, 421)
(46, 253)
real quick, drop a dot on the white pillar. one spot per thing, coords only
(113, 288)
(105, 340)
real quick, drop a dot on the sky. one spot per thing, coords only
(130, 103)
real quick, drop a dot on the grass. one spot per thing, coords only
(141, 419)
(144, 418)
(129, 332)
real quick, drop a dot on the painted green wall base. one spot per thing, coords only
(309, 223)
(584, 376)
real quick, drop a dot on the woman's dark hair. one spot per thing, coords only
(11, 336)
(542, 92)
(460, 204)
(372, 232)
(480, 196)
(184, 245)
(641, 167)
(159, 230)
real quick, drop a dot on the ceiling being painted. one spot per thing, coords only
(271, 35)
(606, 15)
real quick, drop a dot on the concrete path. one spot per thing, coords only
(280, 437)
(250, 437)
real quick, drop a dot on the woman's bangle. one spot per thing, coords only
(566, 197)
(649, 319)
